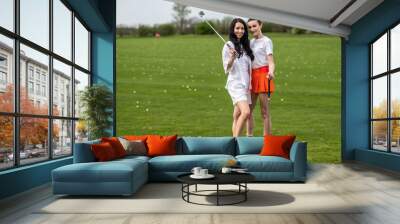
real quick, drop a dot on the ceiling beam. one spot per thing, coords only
(270, 15)
(347, 11)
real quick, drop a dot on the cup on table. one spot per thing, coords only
(203, 172)
(226, 170)
(196, 171)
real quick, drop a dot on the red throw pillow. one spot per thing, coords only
(116, 145)
(277, 145)
(161, 145)
(103, 151)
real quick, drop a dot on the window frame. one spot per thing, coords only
(16, 114)
(388, 74)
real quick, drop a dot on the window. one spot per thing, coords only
(6, 142)
(3, 61)
(385, 91)
(3, 78)
(6, 73)
(62, 29)
(62, 74)
(7, 14)
(44, 91)
(34, 21)
(81, 45)
(37, 75)
(30, 72)
(81, 82)
(3, 72)
(37, 89)
(46, 74)
(30, 87)
(33, 140)
(62, 137)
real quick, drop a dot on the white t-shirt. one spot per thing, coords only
(261, 48)
(239, 74)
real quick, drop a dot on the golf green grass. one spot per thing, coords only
(175, 85)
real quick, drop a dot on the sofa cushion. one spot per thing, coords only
(161, 145)
(257, 163)
(112, 171)
(206, 145)
(83, 152)
(135, 147)
(116, 145)
(185, 163)
(277, 145)
(249, 145)
(103, 152)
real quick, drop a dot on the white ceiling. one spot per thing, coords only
(316, 15)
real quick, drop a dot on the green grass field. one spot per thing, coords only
(176, 85)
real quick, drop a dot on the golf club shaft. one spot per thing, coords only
(215, 31)
(269, 88)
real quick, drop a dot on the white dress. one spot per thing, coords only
(238, 82)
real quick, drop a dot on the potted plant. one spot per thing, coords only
(96, 104)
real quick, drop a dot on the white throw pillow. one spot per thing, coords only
(137, 147)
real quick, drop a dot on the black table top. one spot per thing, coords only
(220, 178)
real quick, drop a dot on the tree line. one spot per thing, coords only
(183, 24)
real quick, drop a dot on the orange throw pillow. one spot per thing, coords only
(116, 145)
(277, 145)
(161, 145)
(103, 152)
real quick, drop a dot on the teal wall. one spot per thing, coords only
(100, 17)
(104, 54)
(355, 85)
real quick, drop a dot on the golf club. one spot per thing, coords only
(202, 14)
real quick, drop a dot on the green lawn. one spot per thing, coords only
(176, 85)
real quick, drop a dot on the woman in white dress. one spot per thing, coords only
(262, 75)
(237, 57)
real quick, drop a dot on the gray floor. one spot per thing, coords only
(377, 188)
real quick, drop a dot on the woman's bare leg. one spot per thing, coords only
(250, 121)
(265, 113)
(236, 114)
(244, 115)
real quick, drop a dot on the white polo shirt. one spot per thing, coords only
(261, 48)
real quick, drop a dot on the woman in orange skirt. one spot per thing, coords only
(263, 69)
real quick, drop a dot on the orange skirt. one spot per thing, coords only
(259, 81)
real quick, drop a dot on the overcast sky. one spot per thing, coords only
(134, 12)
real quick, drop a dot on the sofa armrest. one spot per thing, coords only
(83, 152)
(298, 155)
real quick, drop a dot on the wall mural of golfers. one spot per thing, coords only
(225, 75)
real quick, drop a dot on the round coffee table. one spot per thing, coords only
(238, 179)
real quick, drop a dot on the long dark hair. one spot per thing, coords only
(244, 41)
